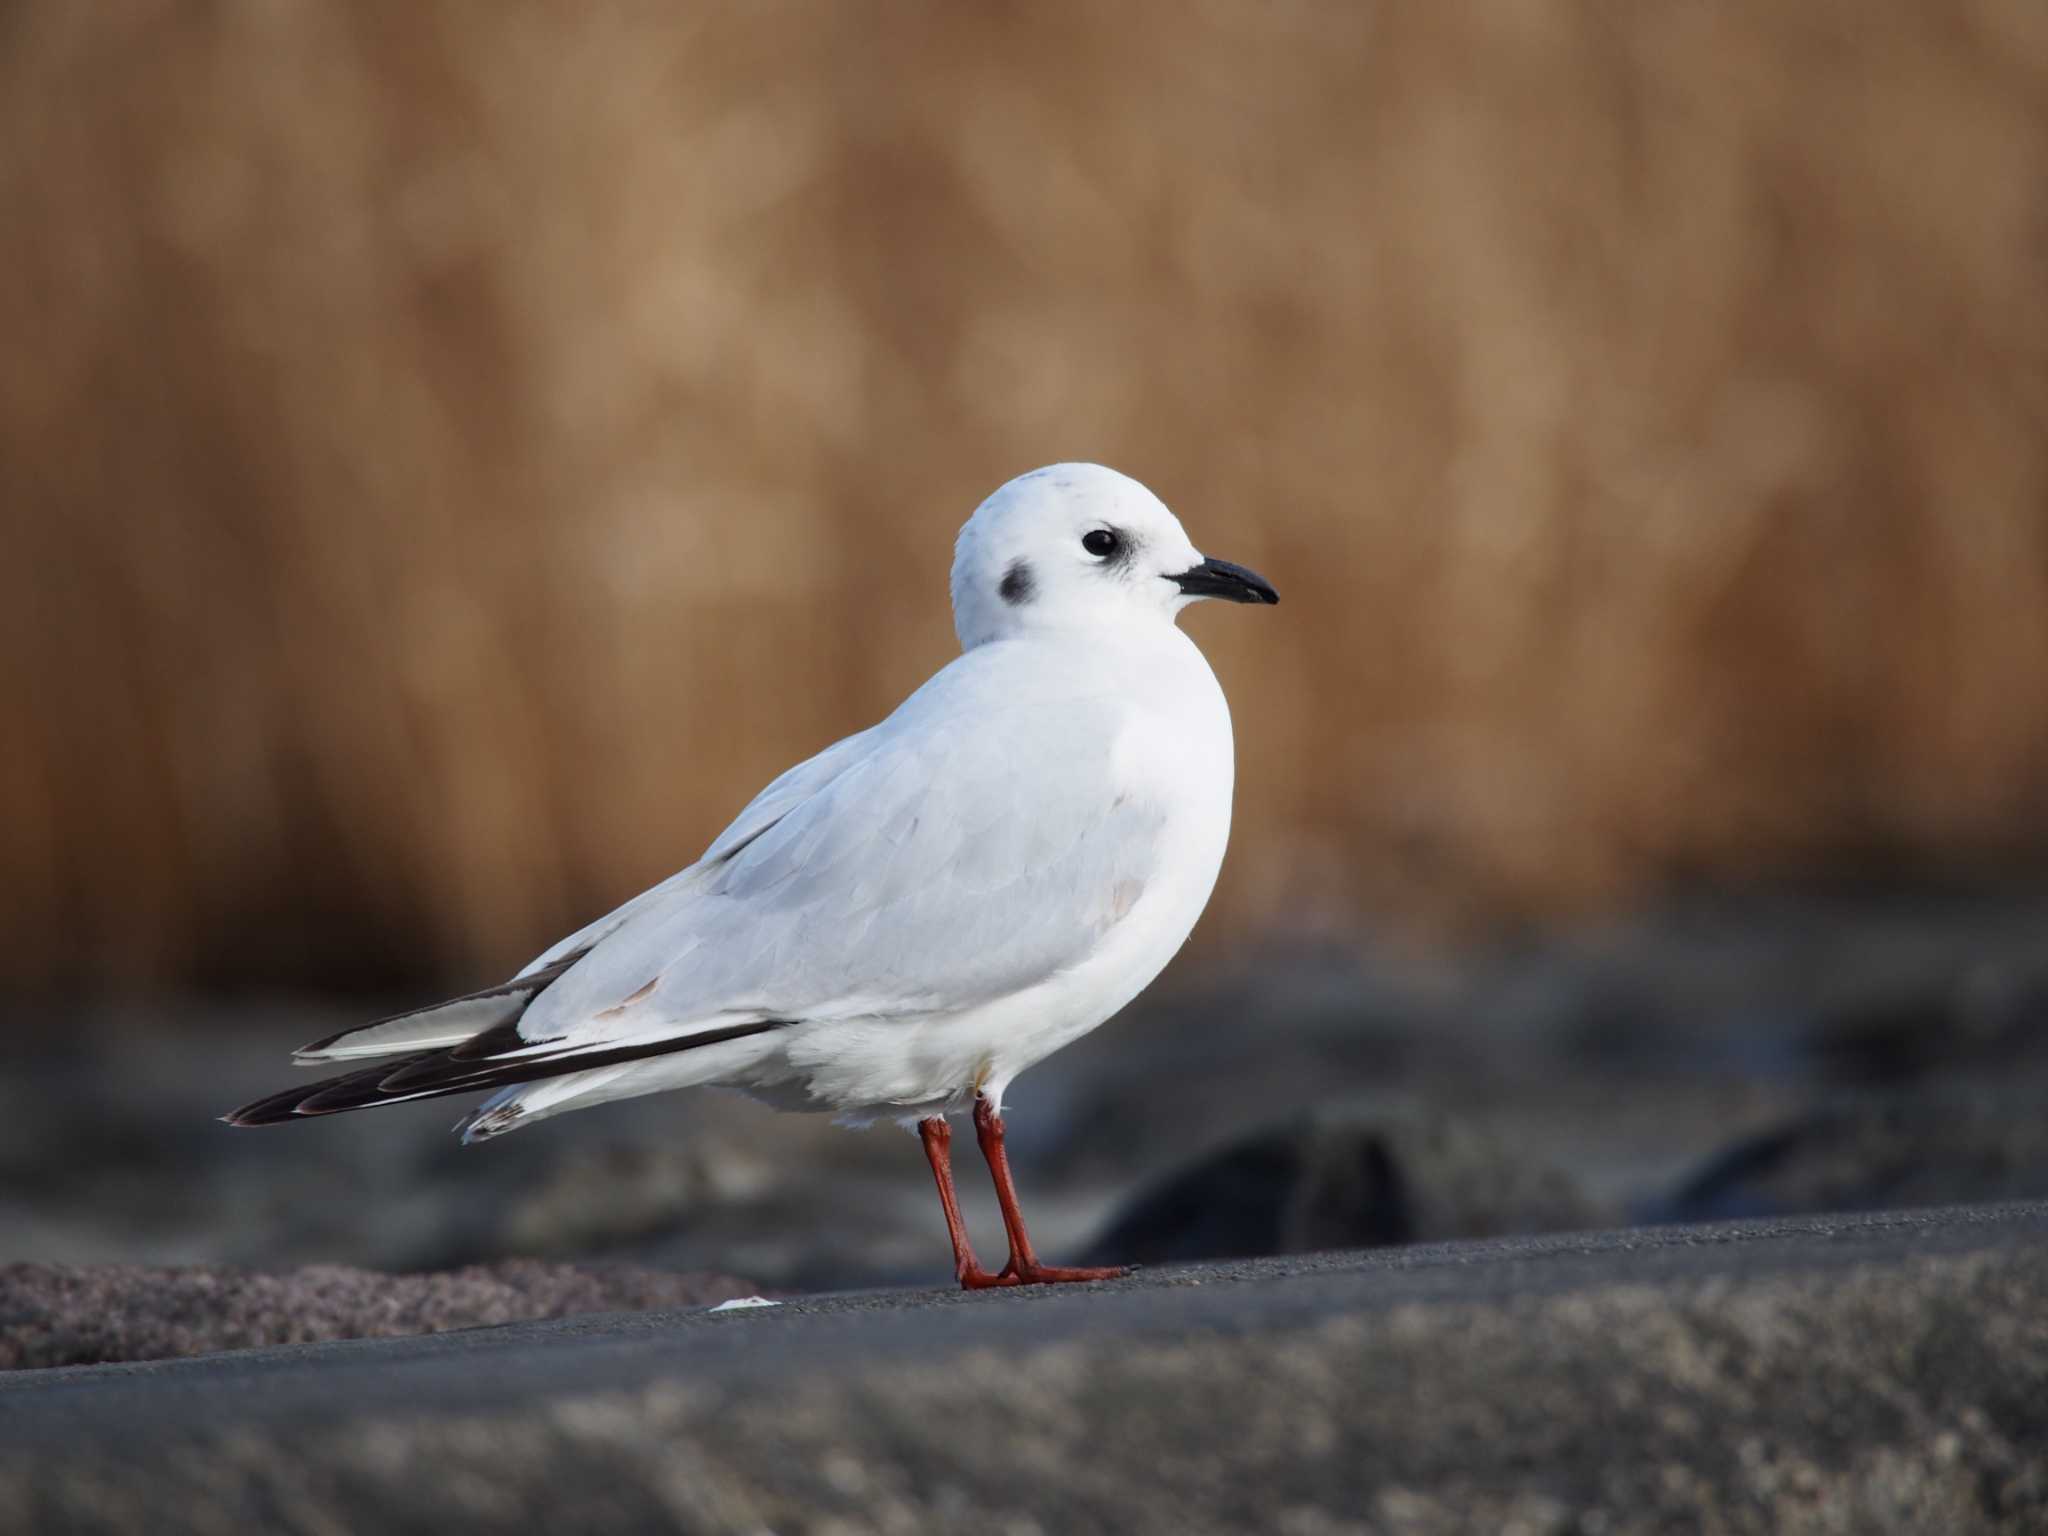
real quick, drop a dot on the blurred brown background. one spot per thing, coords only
(452, 455)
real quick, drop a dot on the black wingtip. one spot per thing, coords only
(430, 1074)
(518, 994)
(275, 1110)
(325, 1042)
(281, 1108)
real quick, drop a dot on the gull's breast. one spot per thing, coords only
(1176, 754)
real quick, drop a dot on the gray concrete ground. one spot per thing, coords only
(1878, 1373)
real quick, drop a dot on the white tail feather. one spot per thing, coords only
(510, 1108)
(724, 1061)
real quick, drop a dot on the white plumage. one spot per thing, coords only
(923, 910)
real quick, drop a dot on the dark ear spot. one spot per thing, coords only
(1018, 584)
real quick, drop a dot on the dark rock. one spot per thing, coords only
(1925, 1151)
(54, 1314)
(1871, 1028)
(1344, 1180)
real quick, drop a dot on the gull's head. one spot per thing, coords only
(1076, 546)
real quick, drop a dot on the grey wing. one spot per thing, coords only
(478, 1022)
(799, 784)
(947, 861)
(791, 789)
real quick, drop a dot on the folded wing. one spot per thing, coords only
(971, 847)
(973, 844)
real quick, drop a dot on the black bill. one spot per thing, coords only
(1233, 583)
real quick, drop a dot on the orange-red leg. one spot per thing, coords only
(938, 1150)
(1024, 1267)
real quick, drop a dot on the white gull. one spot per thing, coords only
(899, 926)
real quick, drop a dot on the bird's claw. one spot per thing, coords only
(977, 1279)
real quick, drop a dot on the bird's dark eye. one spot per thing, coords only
(1101, 542)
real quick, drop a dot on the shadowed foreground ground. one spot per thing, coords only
(1878, 1373)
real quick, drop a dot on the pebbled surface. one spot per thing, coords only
(1875, 1373)
(55, 1315)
